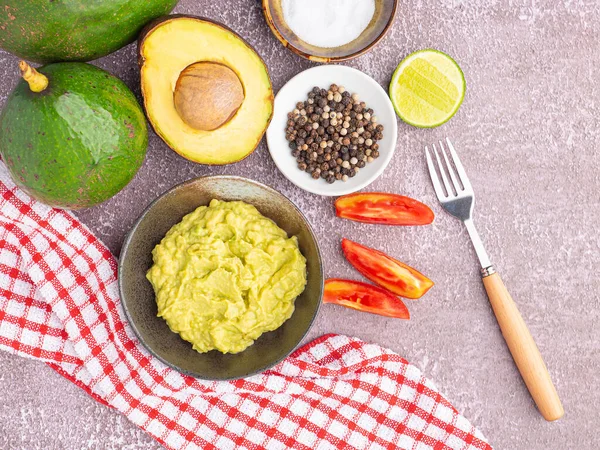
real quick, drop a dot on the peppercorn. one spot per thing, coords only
(332, 134)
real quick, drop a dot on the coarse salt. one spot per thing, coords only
(328, 23)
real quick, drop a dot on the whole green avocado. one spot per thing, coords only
(72, 135)
(74, 30)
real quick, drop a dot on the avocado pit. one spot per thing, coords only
(207, 95)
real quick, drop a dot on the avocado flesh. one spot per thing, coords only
(176, 43)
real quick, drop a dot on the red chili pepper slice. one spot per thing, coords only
(364, 297)
(386, 271)
(382, 208)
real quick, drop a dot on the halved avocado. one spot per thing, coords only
(207, 93)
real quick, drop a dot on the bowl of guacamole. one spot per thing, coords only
(225, 275)
(221, 277)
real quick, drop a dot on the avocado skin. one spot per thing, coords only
(74, 30)
(78, 142)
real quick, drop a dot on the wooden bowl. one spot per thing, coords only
(383, 18)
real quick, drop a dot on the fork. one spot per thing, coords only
(457, 197)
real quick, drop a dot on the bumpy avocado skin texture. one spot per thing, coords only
(78, 142)
(74, 30)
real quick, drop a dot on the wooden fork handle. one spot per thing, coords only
(523, 349)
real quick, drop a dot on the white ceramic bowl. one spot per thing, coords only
(296, 90)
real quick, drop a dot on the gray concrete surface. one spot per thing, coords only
(528, 133)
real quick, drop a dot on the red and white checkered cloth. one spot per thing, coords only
(59, 303)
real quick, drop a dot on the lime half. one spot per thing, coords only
(427, 88)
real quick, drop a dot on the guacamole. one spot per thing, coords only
(226, 274)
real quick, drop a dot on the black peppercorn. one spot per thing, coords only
(336, 145)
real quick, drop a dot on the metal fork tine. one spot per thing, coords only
(449, 191)
(459, 167)
(455, 182)
(437, 187)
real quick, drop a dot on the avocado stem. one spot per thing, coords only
(37, 81)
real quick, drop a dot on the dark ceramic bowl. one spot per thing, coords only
(138, 298)
(383, 18)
